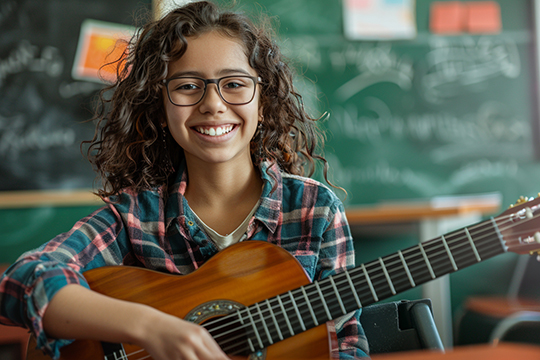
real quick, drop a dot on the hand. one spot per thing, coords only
(171, 338)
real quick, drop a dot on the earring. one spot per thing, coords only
(258, 141)
(167, 163)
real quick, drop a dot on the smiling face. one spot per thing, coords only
(213, 131)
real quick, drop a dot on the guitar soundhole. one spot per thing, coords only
(220, 319)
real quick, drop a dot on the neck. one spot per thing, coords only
(219, 184)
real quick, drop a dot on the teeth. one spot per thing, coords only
(215, 131)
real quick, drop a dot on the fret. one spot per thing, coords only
(251, 347)
(488, 248)
(406, 267)
(325, 306)
(285, 315)
(499, 236)
(297, 311)
(263, 321)
(274, 319)
(417, 265)
(460, 247)
(454, 266)
(383, 267)
(472, 245)
(427, 261)
(438, 257)
(255, 330)
(338, 297)
(397, 274)
(353, 290)
(375, 297)
(331, 299)
(309, 306)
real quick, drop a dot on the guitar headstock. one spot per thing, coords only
(520, 226)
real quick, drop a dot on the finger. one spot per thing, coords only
(211, 350)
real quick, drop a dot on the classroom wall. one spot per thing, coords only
(429, 155)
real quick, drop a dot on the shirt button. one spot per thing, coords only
(190, 223)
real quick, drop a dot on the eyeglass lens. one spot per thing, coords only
(235, 90)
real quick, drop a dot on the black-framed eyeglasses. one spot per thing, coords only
(234, 89)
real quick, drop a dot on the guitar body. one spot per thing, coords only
(244, 273)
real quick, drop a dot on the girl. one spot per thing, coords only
(202, 145)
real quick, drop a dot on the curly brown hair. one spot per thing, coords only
(128, 150)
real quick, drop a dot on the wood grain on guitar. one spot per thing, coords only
(254, 297)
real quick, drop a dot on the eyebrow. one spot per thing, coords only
(222, 72)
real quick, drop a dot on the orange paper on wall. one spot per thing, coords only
(98, 46)
(483, 17)
(446, 17)
(455, 17)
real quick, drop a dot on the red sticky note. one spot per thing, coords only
(446, 17)
(483, 17)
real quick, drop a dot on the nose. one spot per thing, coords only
(212, 101)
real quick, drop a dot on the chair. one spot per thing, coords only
(400, 326)
(514, 317)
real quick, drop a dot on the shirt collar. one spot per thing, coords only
(271, 197)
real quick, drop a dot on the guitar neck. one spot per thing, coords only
(301, 309)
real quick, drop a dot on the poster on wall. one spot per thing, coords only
(379, 19)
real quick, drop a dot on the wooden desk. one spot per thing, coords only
(477, 352)
(37, 198)
(434, 218)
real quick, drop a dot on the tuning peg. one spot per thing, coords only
(522, 200)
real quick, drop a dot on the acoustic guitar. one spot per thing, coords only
(257, 302)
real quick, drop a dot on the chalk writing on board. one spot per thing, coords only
(375, 64)
(490, 123)
(72, 89)
(29, 57)
(420, 182)
(465, 63)
(17, 136)
(305, 50)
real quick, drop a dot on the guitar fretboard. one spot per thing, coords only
(265, 323)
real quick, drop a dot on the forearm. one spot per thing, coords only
(79, 313)
(76, 312)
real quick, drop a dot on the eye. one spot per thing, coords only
(185, 85)
(234, 83)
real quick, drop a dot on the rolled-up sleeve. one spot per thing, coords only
(336, 255)
(27, 287)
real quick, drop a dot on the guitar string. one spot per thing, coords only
(405, 279)
(305, 303)
(346, 300)
(405, 253)
(349, 298)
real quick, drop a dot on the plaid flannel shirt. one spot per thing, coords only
(156, 229)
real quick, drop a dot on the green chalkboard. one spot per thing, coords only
(410, 119)
(43, 109)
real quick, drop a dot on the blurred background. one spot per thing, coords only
(430, 110)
